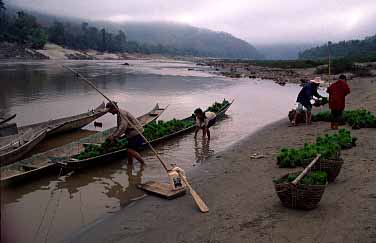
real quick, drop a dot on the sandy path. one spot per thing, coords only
(240, 194)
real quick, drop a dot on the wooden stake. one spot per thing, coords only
(301, 175)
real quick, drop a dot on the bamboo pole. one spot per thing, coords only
(199, 202)
(122, 116)
(301, 175)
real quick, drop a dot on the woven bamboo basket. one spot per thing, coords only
(300, 196)
(331, 166)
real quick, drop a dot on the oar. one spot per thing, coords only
(195, 196)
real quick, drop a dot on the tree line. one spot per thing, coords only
(24, 29)
(355, 49)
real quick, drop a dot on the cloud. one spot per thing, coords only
(260, 22)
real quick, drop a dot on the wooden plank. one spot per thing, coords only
(161, 189)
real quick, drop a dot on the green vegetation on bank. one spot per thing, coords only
(22, 29)
(355, 118)
(360, 50)
(344, 65)
(328, 146)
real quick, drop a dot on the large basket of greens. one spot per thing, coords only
(329, 146)
(331, 166)
(306, 194)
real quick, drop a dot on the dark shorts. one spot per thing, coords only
(135, 142)
(212, 122)
(337, 116)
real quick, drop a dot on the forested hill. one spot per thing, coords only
(354, 48)
(180, 36)
(35, 29)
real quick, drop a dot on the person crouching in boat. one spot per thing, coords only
(127, 128)
(204, 120)
(308, 91)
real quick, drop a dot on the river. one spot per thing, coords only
(51, 209)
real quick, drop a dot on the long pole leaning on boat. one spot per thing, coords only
(199, 202)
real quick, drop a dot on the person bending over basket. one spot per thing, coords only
(127, 128)
(304, 99)
(204, 120)
(337, 93)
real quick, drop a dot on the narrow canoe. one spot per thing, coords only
(14, 147)
(6, 119)
(219, 116)
(42, 164)
(73, 164)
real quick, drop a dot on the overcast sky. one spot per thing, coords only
(256, 21)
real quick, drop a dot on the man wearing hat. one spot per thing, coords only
(308, 91)
(337, 93)
(128, 128)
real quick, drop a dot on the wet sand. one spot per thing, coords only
(243, 204)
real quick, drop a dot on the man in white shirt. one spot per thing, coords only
(204, 120)
(127, 128)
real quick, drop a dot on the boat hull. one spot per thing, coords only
(105, 158)
(41, 164)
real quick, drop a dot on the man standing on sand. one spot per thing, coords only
(337, 94)
(127, 128)
(304, 99)
(204, 120)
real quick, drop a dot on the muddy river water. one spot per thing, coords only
(52, 208)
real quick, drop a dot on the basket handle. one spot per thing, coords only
(304, 172)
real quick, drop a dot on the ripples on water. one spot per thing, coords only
(39, 91)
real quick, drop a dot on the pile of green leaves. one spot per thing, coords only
(94, 150)
(360, 119)
(355, 118)
(216, 107)
(160, 129)
(312, 178)
(328, 146)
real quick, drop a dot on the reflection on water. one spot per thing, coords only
(202, 150)
(41, 91)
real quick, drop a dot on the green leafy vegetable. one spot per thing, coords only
(355, 118)
(160, 129)
(94, 150)
(328, 146)
(312, 178)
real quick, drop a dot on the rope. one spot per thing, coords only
(45, 211)
(121, 115)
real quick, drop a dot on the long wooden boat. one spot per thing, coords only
(14, 147)
(219, 116)
(44, 163)
(73, 164)
(6, 119)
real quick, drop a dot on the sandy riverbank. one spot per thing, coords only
(242, 201)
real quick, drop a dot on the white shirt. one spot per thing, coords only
(209, 116)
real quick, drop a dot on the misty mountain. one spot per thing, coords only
(365, 48)
(205, 42)
(165, 37)
(282, 51)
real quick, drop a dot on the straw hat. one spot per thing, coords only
(317, 80)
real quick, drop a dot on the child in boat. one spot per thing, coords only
(204, 120)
